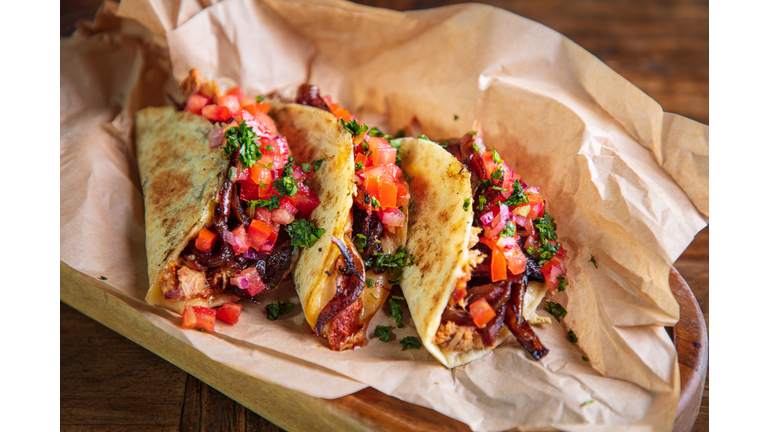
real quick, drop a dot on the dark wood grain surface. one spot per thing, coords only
(110, 383)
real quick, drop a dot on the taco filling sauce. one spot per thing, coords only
(513, 242)
(372, 251)
(262, 208)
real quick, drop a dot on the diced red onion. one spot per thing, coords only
(267, 246)
(504, 213)
(506, 242)
(533, 189)
(250, 254)
(500, 221)
(216, 137)
(281, 216)
(520, 220)
(229, 237)
(393, 219)
(487, 218)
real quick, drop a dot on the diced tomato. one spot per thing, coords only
(231, 102)
(258, 233)
(229, 312)
(196, 102)
(240, 240)
(498, 266)
(384, 172)
(263, 215)
(362, 159)
(281, 152)
(515, 259)
(387, 195)
(336, 110)
(299, 175)
(305, 200)
(488, 164)
(205, 240)
(248, 280)
(216, 113)
(384, 155)
(270, 243)
(459, 294)
(259, 175)
(402, 190)
(198, 317)
(262, 124)
(288, 206)
(235, 91)
(481, 312)
(246, 101)
(249, 191)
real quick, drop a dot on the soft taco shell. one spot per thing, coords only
(316, 134)
(439, 232)
(180, 176)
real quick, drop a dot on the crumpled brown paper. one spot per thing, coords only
(625, 182)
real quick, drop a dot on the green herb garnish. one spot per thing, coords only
(509, 230)
(518, 196)
(303, 233)
(545, 252)
(556, 310)
(271, 204)
(259, 98)
(561, 283)
(358, 166)
(585, 358)
(572, 336)
(396, 310)
(546, 226)
(497, 157)
(354, 127)
(243, 141)
(369, 283)
(286, 185)
(589, 402)
(375, 132)
(103, 277)
(422, 136)
(410, 342)
(455, 117)
(592, 260)
(382, 332)
(278, 308)
(480, 202)
(360, 243)
(391, 263)
(466, 204)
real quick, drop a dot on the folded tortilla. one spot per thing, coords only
(439, 231)
(181, 177)
(316, 134)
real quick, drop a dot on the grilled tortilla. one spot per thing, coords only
(181, 178)
(439, 236)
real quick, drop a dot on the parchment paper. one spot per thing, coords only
(625, 182)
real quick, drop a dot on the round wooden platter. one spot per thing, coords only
(368, 409)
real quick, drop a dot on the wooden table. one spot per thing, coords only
(110, 383)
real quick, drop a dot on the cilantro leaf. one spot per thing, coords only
(545, 252)
(354, 127)
(556, 310)
(316, 164)
(518, 196)
(243, 141)
(455, 117)
(382, 332)
(376, 132)
(361, 242)
(286, 185)
(358, 166)
(585, 358)
(466, 204)
(572, 336)
(259, 98)
(424, 137)
(509, 230)
(396, 310)
(546, 226)
(561, 283)
(278, 308)
(271, 204)
(409, 342)
(369, 284)
(391, 263)
(592, 260)
(397, 145)
(303, 233)
(497, 157)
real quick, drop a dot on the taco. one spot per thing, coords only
(349, 273)
(485, 251)
(225, 207)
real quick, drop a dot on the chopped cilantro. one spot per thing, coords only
(358, 166)
(556, 310)
(269, 147)
(572, 336)
(317, 163)
(376, 132)
(103, 277)
(397, 145)
(365, 146)
(286, 186)
(497, 157)
(243, 141)
(592, 260)
(497, 173)
(368, 153)
(480, 202)
(445, 144)
(422, 136)
(585, 358)
(303, 233)
(308, 167)
(475, 147)
(473, 133)
(561, 283)
(509, 230)
(375, 203)
(410, 204)
(410, 342)
(354, 127)
(545, 252)
(369, 283)
(546, 226)
(271, 204)
(391, 263)
(360, 243)
(518, 196)
(382, 332)
(467, 202)
(396, 310)
(455, 117)
(278, 308)
(589, 402)
(400, 133)
(259, 98)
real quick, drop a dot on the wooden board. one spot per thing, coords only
(368, 409)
